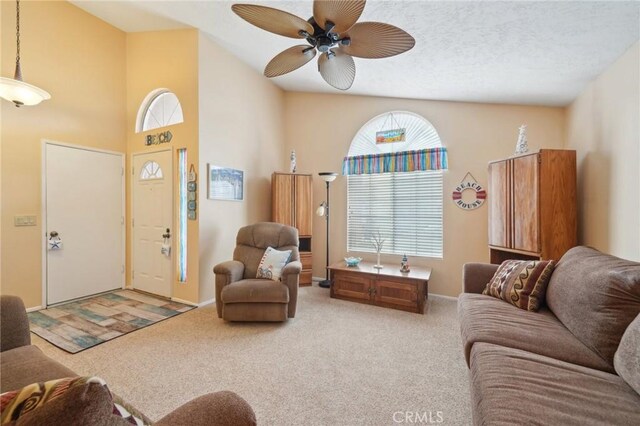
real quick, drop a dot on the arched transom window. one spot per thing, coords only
(394, 191)
(151, 170)
(160, 108)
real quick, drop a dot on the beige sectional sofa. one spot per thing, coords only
(23, 364)
(574, 362)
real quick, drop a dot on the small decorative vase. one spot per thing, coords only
(378, 265)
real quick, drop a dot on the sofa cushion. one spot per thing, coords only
(514, 387)
(627, 358)
(596, 296)
(486, 319)
(25, 365)
(522, 283)
(255, 291)
(272, 263)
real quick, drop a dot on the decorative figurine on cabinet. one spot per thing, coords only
(404, 264)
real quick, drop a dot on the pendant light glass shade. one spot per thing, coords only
(14, 89)
(21, 93)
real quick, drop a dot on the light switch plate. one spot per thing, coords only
(24, 221)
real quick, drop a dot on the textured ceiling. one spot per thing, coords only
(541, 53)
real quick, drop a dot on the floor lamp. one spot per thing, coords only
(323, 210)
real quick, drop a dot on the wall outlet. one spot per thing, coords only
(24, 221)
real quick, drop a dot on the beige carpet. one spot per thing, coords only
(336, 363)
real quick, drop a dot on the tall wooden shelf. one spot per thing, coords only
(292, 204)
(532, 205)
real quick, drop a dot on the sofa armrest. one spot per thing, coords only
(290, 276)
(476, 276)
(226, 273)
(14, 323)
(214, 409)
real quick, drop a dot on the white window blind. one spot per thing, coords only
(405, 208)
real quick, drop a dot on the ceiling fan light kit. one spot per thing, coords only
(14, 89)
(333, 32)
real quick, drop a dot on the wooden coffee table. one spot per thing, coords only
(387, 287)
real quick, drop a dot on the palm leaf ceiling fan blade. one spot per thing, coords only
(273, 20)
(339, 70)
(289, 60)
(377, 40)
(342, 13)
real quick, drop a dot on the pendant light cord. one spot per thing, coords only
(18, 73)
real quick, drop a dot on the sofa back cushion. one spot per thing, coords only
(596, 296)
(627, 358)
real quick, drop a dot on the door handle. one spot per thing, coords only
(167, 234)
(53, 234)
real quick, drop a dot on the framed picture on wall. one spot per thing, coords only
(224, 183)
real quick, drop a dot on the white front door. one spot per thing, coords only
(152, 221)
(83, 203)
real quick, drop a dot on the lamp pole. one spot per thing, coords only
(328, 177)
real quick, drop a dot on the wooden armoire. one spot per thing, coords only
(292, 204)
(532, 205)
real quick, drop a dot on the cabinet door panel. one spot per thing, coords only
(282, 201)
(525, 203)
(303, 204)
(396, 293)
(499, 221)
(351, 286)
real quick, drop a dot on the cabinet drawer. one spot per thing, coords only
(307, 260)
(305, 278)
(350, 286)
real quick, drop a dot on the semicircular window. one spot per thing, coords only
(395, 186)
(160, 108)
(151, 170)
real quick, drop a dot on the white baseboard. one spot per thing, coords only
(317, 279)
(197, 305)
(35, 308)
(443, 296)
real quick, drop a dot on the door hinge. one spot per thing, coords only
(133, 170)
(122, 220)
(122, 269)
(122, 174)
(133, 274)
(133, 222)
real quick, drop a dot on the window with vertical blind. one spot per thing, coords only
(395, 189)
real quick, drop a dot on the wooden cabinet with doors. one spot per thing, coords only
(532, 205)
(292, 204)
(387, 287)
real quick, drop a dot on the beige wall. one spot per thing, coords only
(165, 59)
(320, 128)
(241, 126)
(603, 126)
(80, 60)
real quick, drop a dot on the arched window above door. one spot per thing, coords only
(160, 108)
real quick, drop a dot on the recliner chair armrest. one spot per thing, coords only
(290, 277)
(214, 409)
(233, 268)
(476, 276)
(226, 273)
(14, 323)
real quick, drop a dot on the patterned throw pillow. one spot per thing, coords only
(272, 263)
(17, 403)
(522, 283)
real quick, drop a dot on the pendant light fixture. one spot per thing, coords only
(14, 89)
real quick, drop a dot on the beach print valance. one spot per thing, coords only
(404, 161)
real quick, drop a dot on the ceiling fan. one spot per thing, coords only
(332, 31)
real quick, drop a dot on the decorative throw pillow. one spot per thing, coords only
(272, 262)
(522, 283)
(32, 399)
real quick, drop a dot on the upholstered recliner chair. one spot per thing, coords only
(240, 296)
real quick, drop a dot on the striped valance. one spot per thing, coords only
(405, 161)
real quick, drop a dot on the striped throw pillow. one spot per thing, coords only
(523, 283)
